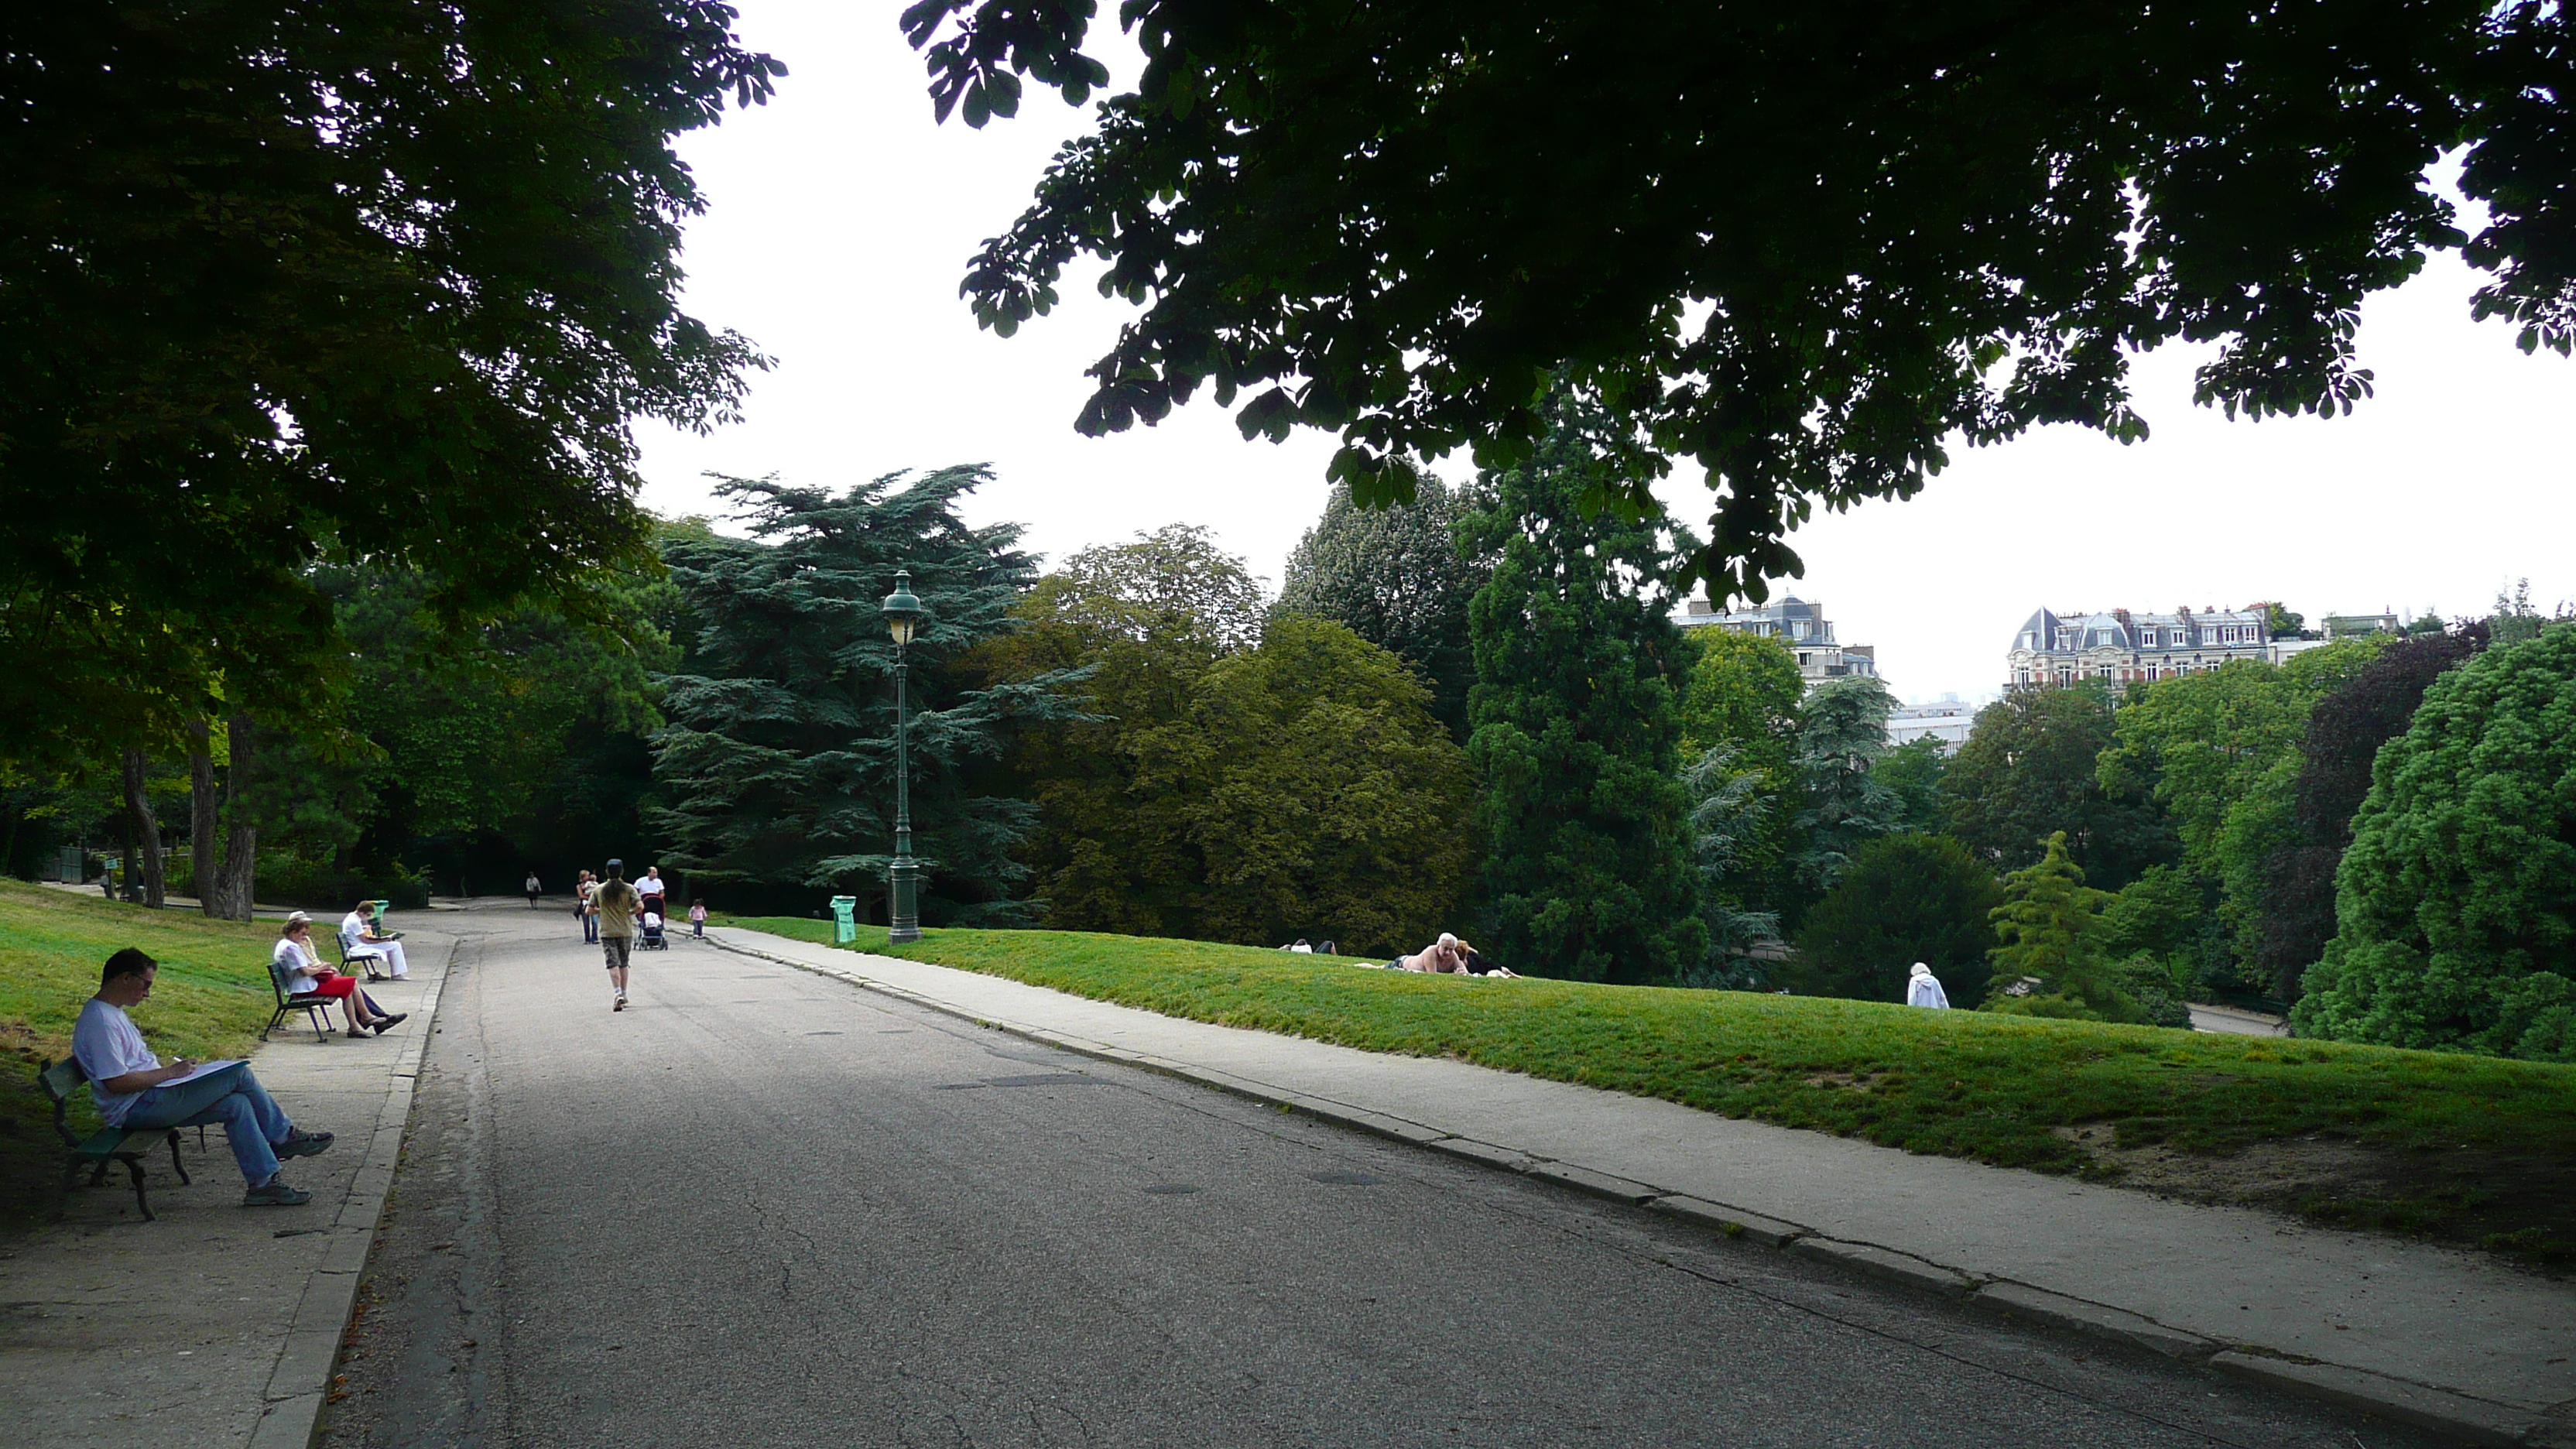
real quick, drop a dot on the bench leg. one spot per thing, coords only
(134, 1165)
(176, 1165)
(100, 1175)
(272, 1023)
(319, 1019)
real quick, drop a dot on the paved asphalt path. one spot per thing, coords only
(765, 1208)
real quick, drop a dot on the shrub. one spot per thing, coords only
(2456, 902)
(1903, 899)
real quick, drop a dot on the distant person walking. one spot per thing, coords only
(618, 905)
(698, 919)
(1924, 989)
(585, 910)
(534, 890)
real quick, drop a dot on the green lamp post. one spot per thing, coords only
(903, 614)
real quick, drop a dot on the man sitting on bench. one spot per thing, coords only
(130, 1084)
(359, 942)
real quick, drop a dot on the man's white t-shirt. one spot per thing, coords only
(301, 967)
(106, 1045)
(353, 931)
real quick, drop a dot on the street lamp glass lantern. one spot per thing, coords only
(902, 611)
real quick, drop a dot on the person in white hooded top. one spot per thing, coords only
(1924, 989)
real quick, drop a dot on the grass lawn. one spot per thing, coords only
(209, 1000)
(2466, 1148)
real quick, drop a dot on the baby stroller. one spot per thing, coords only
(652, 941)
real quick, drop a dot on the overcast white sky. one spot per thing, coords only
(842, 219)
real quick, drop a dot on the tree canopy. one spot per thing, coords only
(1804, 245)
(2031, 768)
(2219, 751)
(2456, 901)
(1395, 577)
(1588, 865)
(1903, 899)
(777, 764)
(2344, 732)
(374, 281)
(1294, 787)
(1842, 735)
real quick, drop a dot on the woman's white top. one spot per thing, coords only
(300, 963)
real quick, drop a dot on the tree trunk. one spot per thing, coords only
(204, 854)
(145, 831)
(224, 841)
(123, 875)
(241, 827)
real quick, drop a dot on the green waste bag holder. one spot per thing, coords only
(844, 928)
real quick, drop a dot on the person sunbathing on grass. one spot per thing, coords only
(1448, 954)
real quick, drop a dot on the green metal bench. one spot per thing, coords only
(109, 1145)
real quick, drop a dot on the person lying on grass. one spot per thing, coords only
(136, 1092)
(1449, 954)
(305, 973)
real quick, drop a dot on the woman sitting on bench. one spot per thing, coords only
(305, 974)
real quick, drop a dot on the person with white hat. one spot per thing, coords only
(1924, 989)
(300, 969)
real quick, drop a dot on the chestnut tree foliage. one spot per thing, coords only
(1807, 246)
(379, 281)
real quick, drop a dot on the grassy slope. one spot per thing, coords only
(210, 999)
(1959, 1084)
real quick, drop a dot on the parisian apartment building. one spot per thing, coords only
(2120, 646)
(1798, 623)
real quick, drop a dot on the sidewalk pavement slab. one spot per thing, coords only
(217, 1324)
(2400, 1326)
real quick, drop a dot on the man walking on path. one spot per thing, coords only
(617, 903)
(534, 890)
(135, 1091)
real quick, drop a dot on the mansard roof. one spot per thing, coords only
(2039, 631)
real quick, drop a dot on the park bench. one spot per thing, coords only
(315, 1006)
(109, 1145)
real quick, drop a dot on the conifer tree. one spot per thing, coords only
(778, 762)
(1589, 872)
(2051, 962)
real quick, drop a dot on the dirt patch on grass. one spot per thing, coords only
(2471, 1198)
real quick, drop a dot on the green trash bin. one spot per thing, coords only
(844, 928)
(381, 908)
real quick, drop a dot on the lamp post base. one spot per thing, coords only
(903, 918)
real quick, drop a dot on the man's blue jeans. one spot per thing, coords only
(252, 1121)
